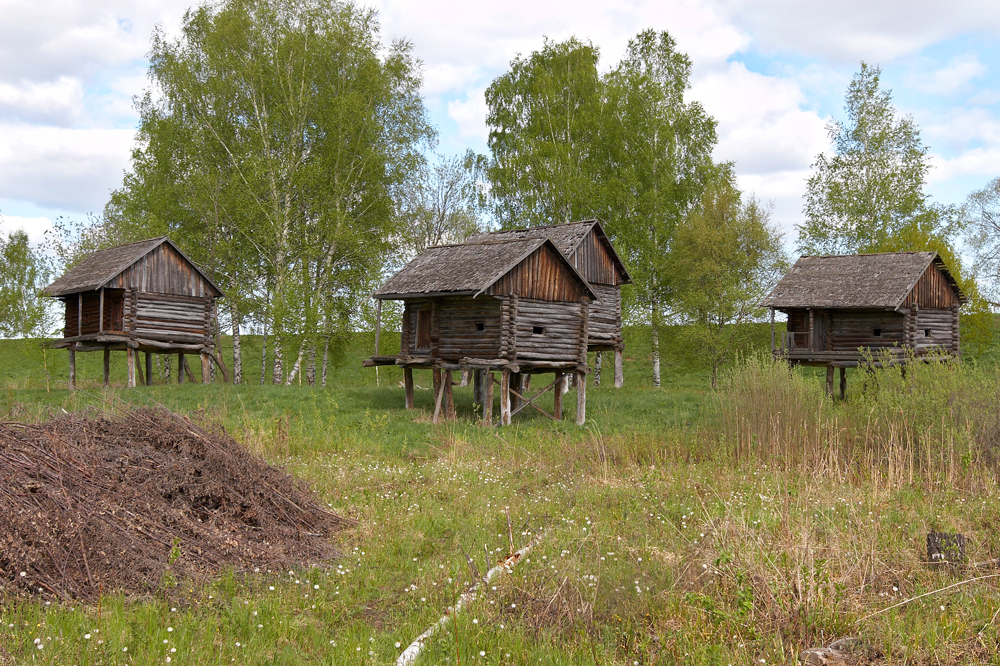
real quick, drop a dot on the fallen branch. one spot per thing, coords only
(411, 653)
(927, 594)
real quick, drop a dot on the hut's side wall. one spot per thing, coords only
(850, 329)
(548, 331)
(932, 290)
(605, 319)
(541, 276)
(163, 271)
(458, 326)
(594, 261)
(934, 329)
(169, 318)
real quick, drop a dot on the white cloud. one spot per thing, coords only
(951, 78)
(47, 101)
(66, 169)
(469, 115)
(35, 227)
(784, 189)
(762, 127)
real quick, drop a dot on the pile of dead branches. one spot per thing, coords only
(91, 504)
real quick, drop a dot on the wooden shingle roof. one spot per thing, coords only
(566, 236)
(102, 266)
(854, 281)
(465, 269)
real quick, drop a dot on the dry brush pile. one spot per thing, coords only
(125, 503)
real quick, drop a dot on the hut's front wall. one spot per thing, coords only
(850, 330)
(604, 324)
(169, 318)
(932, 290)
(542, 276)
(452, 328)
(548, 331)
(88, 324)
(163, 271)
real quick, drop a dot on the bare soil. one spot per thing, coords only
(90, 505)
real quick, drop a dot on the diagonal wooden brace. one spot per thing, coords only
(528, 402)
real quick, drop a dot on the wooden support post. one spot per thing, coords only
(598, 366)
(829, 380)
(206, 369)
(107, 367)
(130, 362)
(79, 313)
(488, 397)
(140, 378)
(557, 395)
(438, 394)
(100, 313)
(477, 386)
(843, 383)
(408, 386)
(772, 330)
(72, 368)
(505, 397)
(581, 397)
(619, 370)
(515, 382)
(149, 368)
(449, 399)
(180, 368)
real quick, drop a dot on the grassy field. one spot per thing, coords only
(679, 526)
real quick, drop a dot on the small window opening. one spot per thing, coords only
(877, 332)
(480, 326)
(537, 330)
(927, 332)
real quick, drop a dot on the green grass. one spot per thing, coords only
(664, 541)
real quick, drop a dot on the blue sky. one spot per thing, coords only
(772, 72)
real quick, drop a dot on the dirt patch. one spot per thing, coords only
(91, 504)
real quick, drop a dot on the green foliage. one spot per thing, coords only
(872, 187)
(982, 216)
(543, 118)
(270, 148)
(726, 256)
(23, 274)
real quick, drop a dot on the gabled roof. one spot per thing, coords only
(566, 236)
(102, 266)
(466, 269)
(855, 281)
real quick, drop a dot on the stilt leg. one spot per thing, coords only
(598, 365)
(515, 383)
(107, 367)
(449, 398)
(619, 371)
(505, 397)
(130, 362)
(72, 369)
(180, 368)
(843, 383)
(829, 380)
(478, 386)
(438, 394)
(206, 369)
(581, 398)
(557, 395)
(149, 369)
(408, 385)
(488, 397)
(139, 376)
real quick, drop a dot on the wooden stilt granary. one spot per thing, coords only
(849, 310)
(145, 296)
(590, 251)
(514, 307)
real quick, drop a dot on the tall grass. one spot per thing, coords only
(926, 423)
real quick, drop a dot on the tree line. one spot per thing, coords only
(291, 156)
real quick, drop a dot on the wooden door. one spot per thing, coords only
(821, 328)
(423, 330)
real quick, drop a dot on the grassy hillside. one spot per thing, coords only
(680, 525)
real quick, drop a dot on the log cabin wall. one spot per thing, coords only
(91, 312)
(170, 318)
(469, 327)
(594, 262)
(163, 271)
(798, 320)
(932, 290)
(851, 329)
(605, 319)
(933, 329)
(547, 331)
(542, 276)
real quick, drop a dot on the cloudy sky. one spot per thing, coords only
(772, 72)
